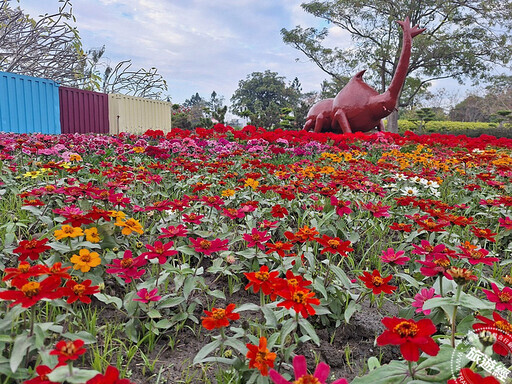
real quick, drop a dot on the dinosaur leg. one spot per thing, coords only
(321, 123)
(341, 118)
(310, 123)
(380, 127)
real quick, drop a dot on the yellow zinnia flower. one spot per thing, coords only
(68, 231)
(129, 226)
(227, 193)
(252, 183)
(85, 260)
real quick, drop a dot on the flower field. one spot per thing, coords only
(224, 256)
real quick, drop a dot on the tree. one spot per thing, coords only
(48, 47)
(463, 37)
(262, 95)
(140, 83)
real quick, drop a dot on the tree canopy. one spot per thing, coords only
(461, 41)
(261, 97)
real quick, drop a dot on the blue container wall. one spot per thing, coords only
(28, 104)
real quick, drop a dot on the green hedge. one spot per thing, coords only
(443, 126)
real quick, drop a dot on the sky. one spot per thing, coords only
(196, 45)
(199, 45)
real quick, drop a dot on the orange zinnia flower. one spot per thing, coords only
(85, 260)
(219, 317)
(260, 357)
(129, 226)
(91, 234)
(68, 231)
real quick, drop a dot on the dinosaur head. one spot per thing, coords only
(382, 105)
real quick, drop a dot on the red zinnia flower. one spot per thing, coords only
(219, 317)
(263, 279)
(378, 210)
(340, 206)
(111, 376)
(503, 299)
(256, 238)
(401, 227)
(23, 272)
(159, 251)
(68, 350)
(505, 223)
(42, 376)
(306, 234)
(376, 282)
(128, 267)
(31, 249)
(79, 291)
(300, 299)
(260, 357)
(172, 231)
(412, 336)
(29, 293)
(430, 225)
(334, 245)
(278, 247)
(192, 218)
(212, 201)
(208, 247)
(476, 255)
(279, 211)
(467, 376)
(484, 233)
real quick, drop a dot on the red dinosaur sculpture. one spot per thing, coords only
(359, 107)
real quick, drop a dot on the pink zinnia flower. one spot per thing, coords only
(340, 206)
(265, 224)
(128, 267)
(256, 239)
(208, 247)
(172, 231)
(146, 297)
(159, 251)
(422, 296)
(476, 255)
(505, 223)
(378, 210)
(212, 201)
(233, 213)
(503, 298)
(392, 257)
(192, 218)
(301, 373)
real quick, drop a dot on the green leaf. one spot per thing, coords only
(107, 299)
(270, 316)
(289, 326)
(217, 294)
(19, 350)
(206, 350)
(472, 302)
(236, 344)
(395, 372)
(439, 368)
(438, 302)
(62, 374)
(171, 302)
(310, 331)
(411, 280)
(189, 286)
(247, 307)
(352, 308)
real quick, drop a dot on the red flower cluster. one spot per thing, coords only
(292, 289)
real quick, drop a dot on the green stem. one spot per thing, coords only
(454, 322)
(411, 370)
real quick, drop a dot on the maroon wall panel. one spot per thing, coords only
(83, 111)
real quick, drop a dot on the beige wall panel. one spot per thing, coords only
(137, 115)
